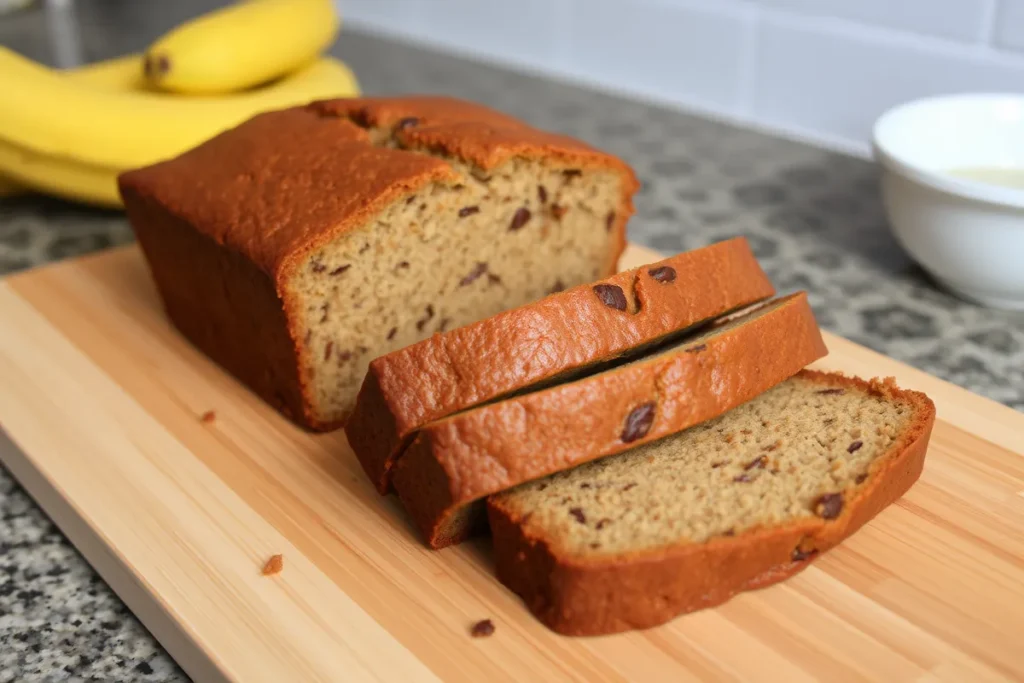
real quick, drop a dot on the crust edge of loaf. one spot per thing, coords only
(280, 261)
(276, 381)
(579, 596)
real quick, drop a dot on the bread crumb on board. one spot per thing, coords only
(208, 417)
(482, 629)
(274, 565)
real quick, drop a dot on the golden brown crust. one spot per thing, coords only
(461, 459)
(260, 197)
(221, 302)
(524, 346)
(599, 595)
(470, 132)
(263, 189)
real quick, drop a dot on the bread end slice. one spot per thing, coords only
(631, 541)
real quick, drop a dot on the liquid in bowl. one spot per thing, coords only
(991, 175)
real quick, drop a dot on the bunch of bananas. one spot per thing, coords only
(70, 133)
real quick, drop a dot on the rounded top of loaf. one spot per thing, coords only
(286, 182)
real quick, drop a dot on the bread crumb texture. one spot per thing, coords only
(445, 256)
(799, 450)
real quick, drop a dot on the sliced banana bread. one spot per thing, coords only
(542, 341)
(300, 245)
(737, 503)
(453, 463)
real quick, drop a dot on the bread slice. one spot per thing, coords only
(542, 341)
(737, 503)
(300, 245)
(454, 463)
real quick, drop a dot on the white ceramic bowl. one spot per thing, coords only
(969, 235)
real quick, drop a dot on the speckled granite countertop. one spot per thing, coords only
(813, 217)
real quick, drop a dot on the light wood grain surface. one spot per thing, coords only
(103, 401)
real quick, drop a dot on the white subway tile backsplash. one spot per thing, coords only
(526, 31)
(964, 20)
(393, 16)
(836, 83)
(687, 51)
(823, 69)
(1009, 31)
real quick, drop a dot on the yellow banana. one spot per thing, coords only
(59, 177)
(56, 116)
(22, 168)
(241, 45)
(120, 73)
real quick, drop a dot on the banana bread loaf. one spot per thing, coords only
(453, 463)
(737, 503)
(542, 341)
(300, 245)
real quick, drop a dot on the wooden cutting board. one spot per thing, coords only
(103, 401)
